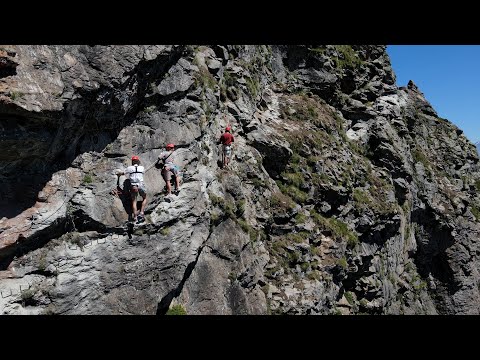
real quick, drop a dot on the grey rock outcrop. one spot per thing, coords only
(345, 195)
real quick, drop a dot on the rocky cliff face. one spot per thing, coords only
(346, 194)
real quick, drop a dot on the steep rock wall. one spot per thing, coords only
(346, 194)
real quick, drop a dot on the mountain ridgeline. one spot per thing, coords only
(345, 194)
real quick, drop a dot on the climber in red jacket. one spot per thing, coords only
(226, 140)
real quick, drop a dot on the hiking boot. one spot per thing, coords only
(140, 218)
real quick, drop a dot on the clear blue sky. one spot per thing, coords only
(448, 76)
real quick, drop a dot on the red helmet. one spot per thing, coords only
(135, 157)
(228, 128)
(170, 146)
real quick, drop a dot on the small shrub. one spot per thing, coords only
(419, 156)
(293, 257)
(15, 95)
(280, 200)
(240, 207)
(295, 158)
(227, 207)
(228, 78)
(348, 57)
(149, 109)
(312, 160)
(294, 193)
(271, 273)
(278, 246)
(352, 240)
(476, 213)
(216, 200)
(343, 263)
(316, 251)
(350, 297)
(297, 237)
(207, 109)
(408, 232)
(391, 278)
(304, 266)
(204, 79)
(409, 267)
(87, 179)
(165, 231)
(244, 225)
(314, 275)
(321, 178)
(418, 283)
(229, 210)
(300, 218)
(215, 219)
(253, 233)
(232, 276)
(258, 182)
(177, 310)
(295, 179)
(361, 197)
(477, 185)
(311, 111)
(375, 198)
(341, 230)
(253, 86)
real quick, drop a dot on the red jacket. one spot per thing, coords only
(226, 139)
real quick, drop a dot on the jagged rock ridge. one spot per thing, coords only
(346, 195)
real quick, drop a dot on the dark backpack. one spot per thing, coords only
(163, 162)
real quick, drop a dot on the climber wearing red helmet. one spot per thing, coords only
(135, 186)
(226, 139)
(167, 162)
